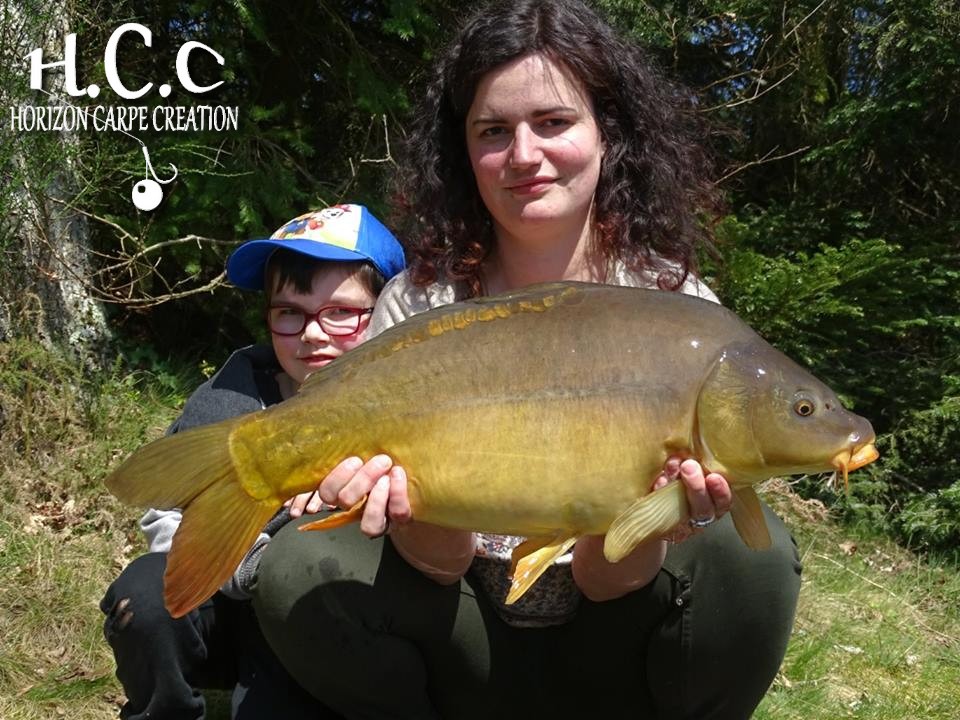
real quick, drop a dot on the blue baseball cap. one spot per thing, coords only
(342, 232)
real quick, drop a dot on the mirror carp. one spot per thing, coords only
(545, 412)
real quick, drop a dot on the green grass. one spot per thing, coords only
(53, 660)
(877, 635)
(62, 539)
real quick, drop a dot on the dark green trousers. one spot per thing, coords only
(372, 638)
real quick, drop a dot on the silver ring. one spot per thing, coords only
(699, 524)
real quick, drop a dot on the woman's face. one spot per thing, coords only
(534, 146)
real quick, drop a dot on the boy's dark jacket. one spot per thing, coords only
(245, 383)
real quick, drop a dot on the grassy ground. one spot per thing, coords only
(877, 635)
(62, 539)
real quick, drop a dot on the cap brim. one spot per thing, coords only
(246, 265)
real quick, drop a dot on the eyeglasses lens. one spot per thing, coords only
(333, 320)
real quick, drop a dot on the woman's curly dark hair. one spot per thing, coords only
(654, 201)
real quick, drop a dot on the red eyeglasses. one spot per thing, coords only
(338, 320)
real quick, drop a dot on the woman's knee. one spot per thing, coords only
(734, 614)
(344, 612)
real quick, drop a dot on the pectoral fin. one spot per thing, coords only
(530, 559)
(335, 520)
(748, 518)
(649, 517)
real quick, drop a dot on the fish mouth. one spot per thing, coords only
(853, 459)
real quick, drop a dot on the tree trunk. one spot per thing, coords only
(45, 279)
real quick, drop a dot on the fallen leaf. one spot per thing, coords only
(852, 649)
(849, 547)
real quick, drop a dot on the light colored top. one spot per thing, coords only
(401, 299)
(554, 598)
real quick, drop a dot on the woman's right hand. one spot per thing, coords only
(384, 485)
(441, 554)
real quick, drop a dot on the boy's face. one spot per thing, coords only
(302, 354)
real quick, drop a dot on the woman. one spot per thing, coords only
(584, 166)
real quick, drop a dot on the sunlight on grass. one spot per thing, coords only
(877, 633)
(62, 539)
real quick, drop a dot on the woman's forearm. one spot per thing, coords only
(600, 580)
(441, 554)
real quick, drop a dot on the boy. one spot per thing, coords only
(321, 274)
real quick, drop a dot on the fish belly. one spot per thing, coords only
(530, 467)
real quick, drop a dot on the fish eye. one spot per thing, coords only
(804, 407)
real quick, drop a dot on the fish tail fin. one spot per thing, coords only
(218, 527)
(649, 517)
(193, 470)
(172, 471)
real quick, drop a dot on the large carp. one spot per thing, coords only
(546, 413)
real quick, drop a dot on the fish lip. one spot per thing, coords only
(864, 455)
(854, 458)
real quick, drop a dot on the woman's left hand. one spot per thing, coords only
(708, 495)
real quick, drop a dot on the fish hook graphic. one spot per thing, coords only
(147, 193)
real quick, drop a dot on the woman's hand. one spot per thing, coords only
(383, 484)
(441, 554)
(308, 502)
(708, 495)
